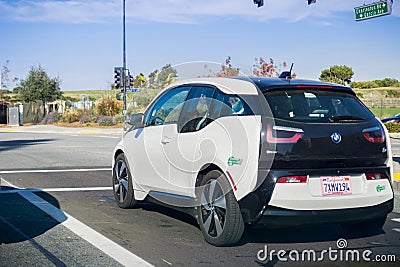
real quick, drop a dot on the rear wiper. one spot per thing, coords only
(345, 118)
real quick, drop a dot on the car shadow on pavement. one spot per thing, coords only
(300, 234)
(14, 144)
(262, 234)
(20, 219)
(396, 159)
(172, 213)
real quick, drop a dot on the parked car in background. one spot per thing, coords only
(395, 118)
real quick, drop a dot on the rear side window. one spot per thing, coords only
(228, 105)
(206, 104)
(316, 106)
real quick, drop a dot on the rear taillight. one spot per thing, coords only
(375, 176)
(314, 87)
(374, 134)
(292, 135)
(295, 179)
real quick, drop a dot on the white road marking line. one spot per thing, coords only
(396, 219)
(396, 229)
(70, 189)
(60, 170)
(2, 181)
(101, 242)
(167, 262)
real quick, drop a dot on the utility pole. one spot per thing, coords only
(124, 63)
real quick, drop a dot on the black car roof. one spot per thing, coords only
(268, 84)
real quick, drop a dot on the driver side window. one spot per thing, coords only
(168, 107)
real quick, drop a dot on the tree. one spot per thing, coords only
(152, 79)
(39, 86)
(337, 74)
(4, 80)
(387, 82)
(166, 76)
(227, 70)
(17, 90)
(160, 79)
(263, 68)
(139, 81)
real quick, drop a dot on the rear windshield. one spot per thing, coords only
(316, 106)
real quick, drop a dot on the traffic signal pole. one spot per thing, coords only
(124, 63)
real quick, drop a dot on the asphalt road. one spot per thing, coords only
(57, 208)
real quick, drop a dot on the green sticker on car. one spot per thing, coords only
(234, 161)
(380, 188)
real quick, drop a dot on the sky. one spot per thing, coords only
(80, 41)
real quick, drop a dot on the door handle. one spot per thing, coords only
(165, 140)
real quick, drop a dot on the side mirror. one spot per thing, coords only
(136, 120)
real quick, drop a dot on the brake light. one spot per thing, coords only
(295, 179)
(298, 133)
(375, 176)
(374, 135)
(314, 86)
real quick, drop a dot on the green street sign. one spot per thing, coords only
(373, 10)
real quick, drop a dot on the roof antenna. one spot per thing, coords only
(287, 74)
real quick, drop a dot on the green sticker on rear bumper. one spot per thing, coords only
(380, 188)
(234, 161)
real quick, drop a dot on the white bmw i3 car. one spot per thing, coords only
(239, 151)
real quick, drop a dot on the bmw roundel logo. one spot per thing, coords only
(336, 138)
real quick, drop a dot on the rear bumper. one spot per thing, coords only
(255, 204)
(278, 217)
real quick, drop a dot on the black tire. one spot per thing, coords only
(218, 212)
(122, 184)
(366, 227)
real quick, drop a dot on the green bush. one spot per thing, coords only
(364, 85)
(119, 118)
(70, 116)
(108, 107)
(51, 118)
(106, 121)
(393, 93)
(393, 127)
(84, 119)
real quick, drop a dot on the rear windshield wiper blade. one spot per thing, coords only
(346, 118)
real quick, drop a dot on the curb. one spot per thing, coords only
(394, 135)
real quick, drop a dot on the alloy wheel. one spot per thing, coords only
(213, 208)
(121, 181)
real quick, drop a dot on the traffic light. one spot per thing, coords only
(117, 77)
(311, 2)
(259, 3)
(130, 81)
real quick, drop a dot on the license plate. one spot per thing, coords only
(335, 185)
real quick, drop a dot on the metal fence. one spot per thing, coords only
(33, 112)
